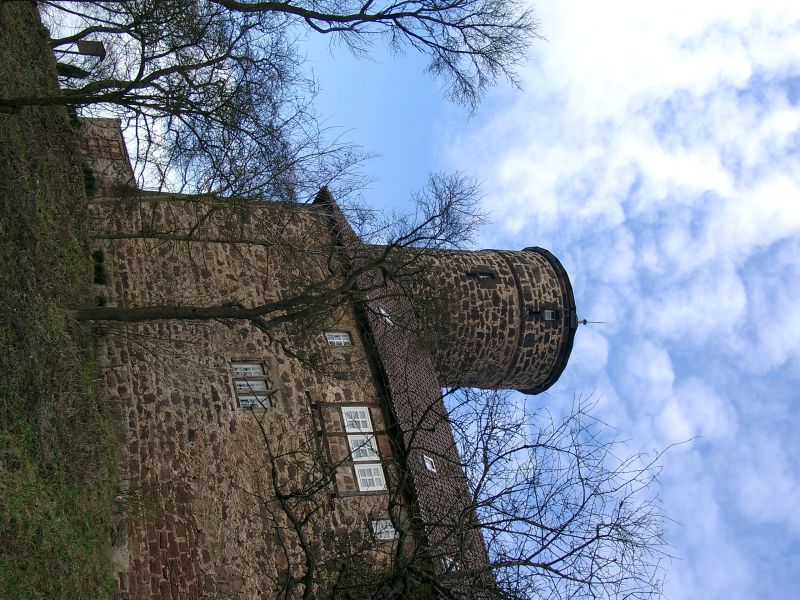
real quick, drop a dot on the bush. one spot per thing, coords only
(89, 180)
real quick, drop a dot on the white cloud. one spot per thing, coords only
(773, 328)
(705, 414)
(657, 152)
(646, 374)
(767, 481)
(591, 351)
(710, 563)
(709, 306)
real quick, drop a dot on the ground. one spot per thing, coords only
(57, 450)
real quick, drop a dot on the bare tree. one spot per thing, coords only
(447, 214)
(211, 93)
(212, 102)
(565, 511)
(469, 43)
(562, 511)
(561, 516)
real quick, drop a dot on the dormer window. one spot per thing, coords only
(429, 463)
(450, 564)
(385, 316)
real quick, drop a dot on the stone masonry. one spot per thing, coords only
(220, 500)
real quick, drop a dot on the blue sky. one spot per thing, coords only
(655, 149)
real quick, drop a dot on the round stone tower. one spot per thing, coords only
(502, 319)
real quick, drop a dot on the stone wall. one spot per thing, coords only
(202, 518)
(220, 501)
(103, 147)
(487, 309)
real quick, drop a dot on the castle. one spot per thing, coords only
(279, 385)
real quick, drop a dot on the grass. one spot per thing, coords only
(57, 448)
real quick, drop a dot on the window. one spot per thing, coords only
(370, 478)
(356, 418)
(250, 383)
(362, 447)
(385, 316)
(482, 274)
(549, 315)
(429, 463)
(246, 385)
(248, 369)
(253, 401)
(485, 276)
(382, 529)
(450, 564)
(338, 338)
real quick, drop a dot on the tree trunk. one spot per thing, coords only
(178, 237)
(166, 313)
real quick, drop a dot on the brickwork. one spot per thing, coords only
(442, 501)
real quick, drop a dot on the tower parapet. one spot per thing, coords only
(502, 319)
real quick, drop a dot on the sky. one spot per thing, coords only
(655, 149)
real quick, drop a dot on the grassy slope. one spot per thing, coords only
(56, 449)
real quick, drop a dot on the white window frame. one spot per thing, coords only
(338, 339)
(429, 463)
(363, 448)
(383, 530)
(549, 314)
(372, 472)
(250, 384)
(247, 368)
(258, 401)
(359, 412)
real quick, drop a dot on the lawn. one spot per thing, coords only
(57, 449)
